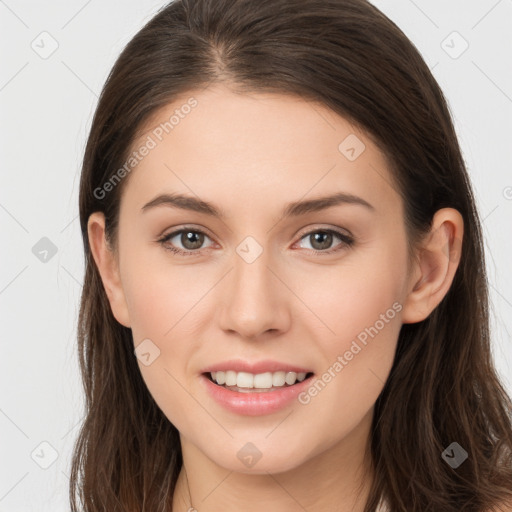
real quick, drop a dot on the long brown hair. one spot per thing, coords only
(442, 388)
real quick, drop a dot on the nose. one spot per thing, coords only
(254, 300)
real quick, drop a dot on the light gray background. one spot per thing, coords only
(46, 110)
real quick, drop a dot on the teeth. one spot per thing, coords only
(259, 381)
(230, 378)
(262, 380)
(290, 378)
(244, 380)
(278, 379)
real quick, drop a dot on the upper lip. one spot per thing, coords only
(239, 365)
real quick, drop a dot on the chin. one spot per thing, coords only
(258, 457)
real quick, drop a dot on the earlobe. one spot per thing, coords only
(438, 258)
(108, 267)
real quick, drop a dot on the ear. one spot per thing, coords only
(107, 262)
(433, 271)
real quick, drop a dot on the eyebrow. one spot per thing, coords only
(293, 209)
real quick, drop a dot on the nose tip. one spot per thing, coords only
(253, 303)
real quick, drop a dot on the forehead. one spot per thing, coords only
(254, 148)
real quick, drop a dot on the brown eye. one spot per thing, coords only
(191, 241)
(322, 240)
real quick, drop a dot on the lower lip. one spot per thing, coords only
(254, 403)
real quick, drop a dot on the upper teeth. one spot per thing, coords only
(258, 381)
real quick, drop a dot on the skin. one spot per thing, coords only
(250, 155)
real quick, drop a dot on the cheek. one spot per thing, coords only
(357, 359)
(159, 295)
(162, 301)
(355, 296)
(363, 317)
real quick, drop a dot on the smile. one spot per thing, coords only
(261, 382)
(254, 394)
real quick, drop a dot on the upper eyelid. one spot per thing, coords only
(309, 230)
(175, 232)
(314, 229)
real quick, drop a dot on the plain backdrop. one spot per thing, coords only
(55, 57)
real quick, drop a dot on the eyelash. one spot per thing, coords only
(347, 241)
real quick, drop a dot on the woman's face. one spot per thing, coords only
(251, 295)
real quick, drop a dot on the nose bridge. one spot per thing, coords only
(253, 302)
(251, 271)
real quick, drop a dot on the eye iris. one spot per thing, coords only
(196, 239)
(324, 238)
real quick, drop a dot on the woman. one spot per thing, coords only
(285, 302)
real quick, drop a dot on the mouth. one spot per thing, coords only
(245, 382)
(255, 388)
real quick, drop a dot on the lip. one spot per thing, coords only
(254, 403)
(239, 365)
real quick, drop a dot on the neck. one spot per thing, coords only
(338, 478)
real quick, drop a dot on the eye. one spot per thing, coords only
(322, 239)
(191, 240)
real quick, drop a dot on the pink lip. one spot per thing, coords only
(238, 365)
(254, 403)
